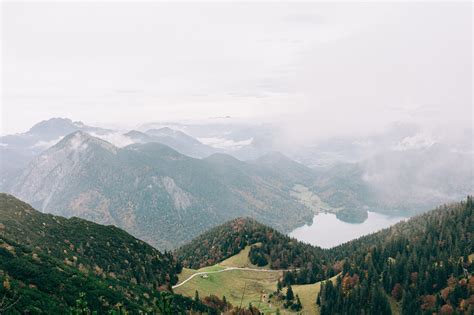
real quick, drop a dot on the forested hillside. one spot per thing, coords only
(49, 264)
(421, 266)
(154, 192)
(103, 250)
(425, 264)
(272, 248)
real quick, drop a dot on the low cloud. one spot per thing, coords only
(43, 145)
(118, 139)
(227, 144)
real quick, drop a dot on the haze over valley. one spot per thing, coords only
(162, 184)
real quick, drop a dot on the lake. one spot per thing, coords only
(328, 231)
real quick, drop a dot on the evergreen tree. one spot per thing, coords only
(289, 294)
(379, 302)
(297, 306)
(279, 286)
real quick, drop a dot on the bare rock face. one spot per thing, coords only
(181, 199)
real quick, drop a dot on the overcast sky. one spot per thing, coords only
(318, 68)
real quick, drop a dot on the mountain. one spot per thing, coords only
(401, 170)
(228, 239)
(240, 139)
(154, 192)
(420, 266)
(175, 139)
(398, 182)
(49, 260)
(287, 168)
(57, 127)
(418, 178)
(424, 265)
(17, 150)
(53, 265)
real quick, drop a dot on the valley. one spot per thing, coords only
(157, 181)
(165, 197)
(311, 200)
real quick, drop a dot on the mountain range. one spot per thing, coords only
(17, 150)
(164, 182)
(156, 193)
(175, 139)
(423, 265)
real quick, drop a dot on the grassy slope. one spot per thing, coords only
(308, 294)
(232, 283)
(241, 260)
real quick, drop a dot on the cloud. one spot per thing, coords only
(228, 144)
(418, 141)
(318, 69)
(118, 139)
(46, 144)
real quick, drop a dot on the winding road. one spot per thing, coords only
(228, 269)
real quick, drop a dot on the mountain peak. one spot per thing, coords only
(80, 141)
(56, 122)
(54, 126)
(167, 129)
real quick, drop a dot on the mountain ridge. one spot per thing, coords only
(46, 255)
(136, 185)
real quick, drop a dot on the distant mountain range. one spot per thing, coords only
(175, 139)
(163, 176)
(156, 193)
(17, 150)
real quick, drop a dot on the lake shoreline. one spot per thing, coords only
(327, 231)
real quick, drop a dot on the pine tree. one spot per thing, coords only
(279, 286)
(224, 301)
(379, 302)
(298, 305)
(289, 294)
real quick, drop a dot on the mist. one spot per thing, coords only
(386, 88)
(317, 70)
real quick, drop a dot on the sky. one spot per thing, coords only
(314, 68)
